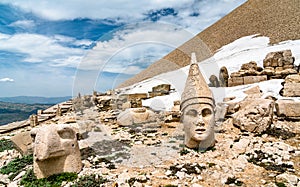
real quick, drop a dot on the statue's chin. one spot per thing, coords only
(200, 137)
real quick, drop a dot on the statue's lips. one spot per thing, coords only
(200, 130)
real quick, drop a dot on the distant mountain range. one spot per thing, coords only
(20, 108)
(34, 99)
(11, 112)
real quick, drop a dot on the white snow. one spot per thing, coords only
(233, 55)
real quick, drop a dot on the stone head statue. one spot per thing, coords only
(197, 110)
(55, 150)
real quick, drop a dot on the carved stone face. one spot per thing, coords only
(198, 121)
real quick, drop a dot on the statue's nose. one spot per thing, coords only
(200, 121)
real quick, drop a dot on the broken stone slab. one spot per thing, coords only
(23, 142)
(254, 79)
(253, 90)
(287, 108)
(14, 126)
(256, 116)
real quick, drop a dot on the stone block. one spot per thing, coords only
(137, 96)
(278, 69)
(291, 90)
(288, 67)
(287, 108)
(254, 79)
(268, 71)
(292, 78)
(235, 81)
(23, 142)
(155, 94)
(235, 74)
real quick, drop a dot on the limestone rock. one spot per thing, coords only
(279, 58)
(288, 179)
(291, 86)
(288, 108)
(291, 90)
(292, 79)
(23, 142)
(103, 102)
(133, 116)
(256, 116)
(55, 150)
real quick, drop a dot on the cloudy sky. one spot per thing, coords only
(59, 48)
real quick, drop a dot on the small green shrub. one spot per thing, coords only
(184, 152)
(280, 184)
(6, 144)
(210, 164)
(89, 181)
(16, 166)
(233, 180)
(30, 180)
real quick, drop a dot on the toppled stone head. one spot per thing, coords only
(197, 109)
(55, 150)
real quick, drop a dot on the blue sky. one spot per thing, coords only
(60, 48)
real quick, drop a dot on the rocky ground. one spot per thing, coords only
(153, 154)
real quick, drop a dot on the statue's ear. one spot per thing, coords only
(67, 133)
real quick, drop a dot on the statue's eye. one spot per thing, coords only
(192, 113)
(66, 133)
(206, 112)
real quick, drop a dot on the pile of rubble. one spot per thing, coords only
(277, 65)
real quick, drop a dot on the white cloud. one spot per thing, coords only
(69, 9)
(39, 48)
(204, 12)
(23, 24)
(127, 11)
(134, 47)
(7, 80)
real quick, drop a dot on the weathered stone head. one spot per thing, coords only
(197, 109)
(55, 150)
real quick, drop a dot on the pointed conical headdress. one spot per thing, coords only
(196, 90)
